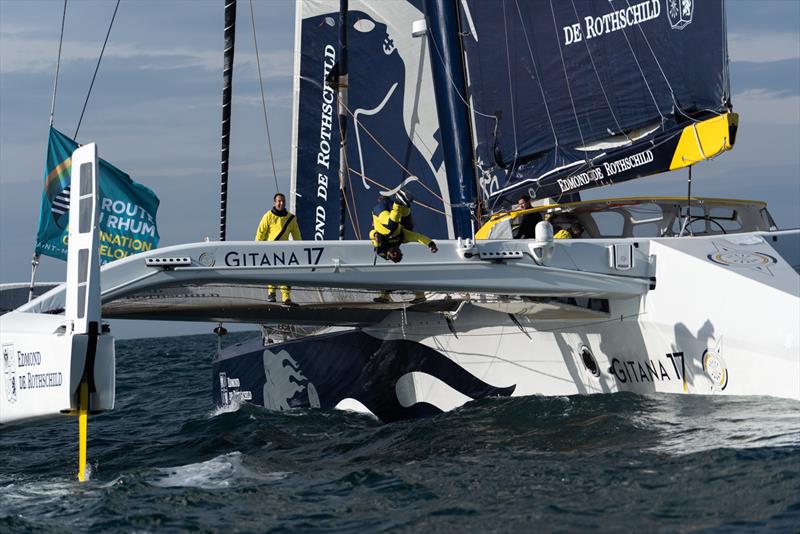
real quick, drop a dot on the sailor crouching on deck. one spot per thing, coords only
(277, 225)
(391, 227)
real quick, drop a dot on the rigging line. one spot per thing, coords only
(510, 84)
(726, 81)
(655, 58)
(95, 70)
(536, 72)
(353, 220)
(58, 64)
(566, 76)
(644, 78)
(510, 172)
(350, 213)
(36, 255)
(353, 198)
(599, 81)
(388, 188)
(471, 107)
(263, 99)
(357, 124)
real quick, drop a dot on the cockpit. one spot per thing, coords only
(640, 217)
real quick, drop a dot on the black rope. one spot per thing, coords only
(263, 99)
(96, 69)
(58, 63)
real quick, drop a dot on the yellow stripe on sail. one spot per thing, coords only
(704, 140)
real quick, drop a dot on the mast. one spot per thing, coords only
(341, 88)
(227, 89)
(449, 83)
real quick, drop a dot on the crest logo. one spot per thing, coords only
(680, 13)
(743, 259)
(715, 367)
(10, 368)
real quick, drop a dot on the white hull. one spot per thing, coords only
(717, 314)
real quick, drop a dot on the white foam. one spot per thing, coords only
(232, 406)
(217, 473)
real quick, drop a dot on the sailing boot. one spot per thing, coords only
(383, 298)
(286, 296)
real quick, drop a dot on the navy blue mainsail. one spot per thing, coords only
(574, 94)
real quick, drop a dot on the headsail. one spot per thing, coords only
(575, 94)
(393, 132)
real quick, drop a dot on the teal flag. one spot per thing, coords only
(127, 209)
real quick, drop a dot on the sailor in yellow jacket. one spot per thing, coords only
(277, 225)
(573, 232)
(388, 233)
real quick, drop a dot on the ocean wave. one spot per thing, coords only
(223, 471)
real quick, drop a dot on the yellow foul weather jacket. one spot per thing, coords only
(388, 231)
(278, 226)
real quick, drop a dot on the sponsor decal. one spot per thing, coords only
(579, 180)
(10, 373)
(308, 256)
(742, 259)
(15, 360)
(715, 367)
(638, 371)
(632, 15)
(605, 170)
(230, 392)
(680, 13)
(324, 154)
(207, 259)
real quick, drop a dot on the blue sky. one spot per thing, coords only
(155, 112)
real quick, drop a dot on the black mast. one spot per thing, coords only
(341, 88)
(227, 90)
(449, 83)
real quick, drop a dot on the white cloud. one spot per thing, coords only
(763, 46)
(762, 107)
(20, 54)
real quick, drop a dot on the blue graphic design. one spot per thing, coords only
(381, 151)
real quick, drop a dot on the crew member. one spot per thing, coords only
(573, 232)
(388, 233)
(278, 224)
(524, 226)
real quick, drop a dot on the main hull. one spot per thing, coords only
(722, 320)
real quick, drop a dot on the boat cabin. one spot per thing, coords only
(642, 217)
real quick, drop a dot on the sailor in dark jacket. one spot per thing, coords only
(524, 226)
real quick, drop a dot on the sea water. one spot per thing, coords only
(166, 460)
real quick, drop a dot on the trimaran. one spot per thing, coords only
(481, 102)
